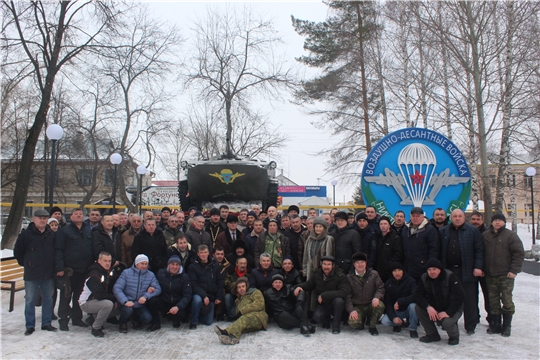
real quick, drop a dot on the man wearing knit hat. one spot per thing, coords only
(132, 290)
(214, 226)
(347, 241)
(250, 308)
(399, 300)
(250, 220)
(439, 300)
(175, 295)
(365, 298)
(503, 261)
(57, 214)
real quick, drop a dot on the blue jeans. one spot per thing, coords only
(230, 306)
(196, 306)
(410, 314)
(141, 314)
(31, 288)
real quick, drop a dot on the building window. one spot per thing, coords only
(28, 210)
(512, 180)
(84, 177)
(527, 181)
(108, 177)
(528, 211)
(493, 180)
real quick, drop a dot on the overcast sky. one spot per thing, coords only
(298, 159)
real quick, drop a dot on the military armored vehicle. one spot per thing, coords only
(239, 181)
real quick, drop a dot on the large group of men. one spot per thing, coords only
(299, 271)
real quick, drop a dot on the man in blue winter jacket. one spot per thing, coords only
(132, 290)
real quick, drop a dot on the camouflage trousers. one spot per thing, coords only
(500, 290)
(372, 313)
(245, 323)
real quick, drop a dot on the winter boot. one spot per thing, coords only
(507, 325)
(495, 324)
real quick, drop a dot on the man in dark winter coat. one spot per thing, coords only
(34, 250)
(368, 238)
(389, 249)
(105, 237)
(296, 240)
(291, 276)
(331, 288)
(439, 218)
(253, 237)
(462, 252)
(399, 222)
(238, 251)
(181, 249)
(288, 310)
(171, 230)
(261, 277)
(420, 243)
(97, 298)
(346, 240)
(439, 300)
(207, 284)
(503, 261)
(399, 300)
(214, 226)
(197, 236)
(365, 298)
(151, 242)
(176, 293)
(477, 220)
(73, 249)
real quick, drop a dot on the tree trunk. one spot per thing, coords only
(365, 105)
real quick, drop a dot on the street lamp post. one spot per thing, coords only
(115, 159)
(141, 170)
(530, 172)
(334, 183)
(54, 133)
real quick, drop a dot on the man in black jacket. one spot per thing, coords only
(331, 288)
(347, 242)
(175, 294)
(34, 250)
(439, 300)
(150, 242)
(399, 300)
(73, 249)
(462, 252)
(105, 237)
(97, 297)
(207, 284)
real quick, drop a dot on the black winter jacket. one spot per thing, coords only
(154, 246)
(101, 241)
(334, 286)
(402, 292)
(368, 240)
(186, 261)
(347, 242)
(206, 279)
(34, 250)
(280, 301)
(175, 288)
(292, 278)
(98, 285)
(419, 247)
(389, 249)
(262, 279)
(73, 248)
(444, 293)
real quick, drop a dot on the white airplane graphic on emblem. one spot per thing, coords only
(398, 183)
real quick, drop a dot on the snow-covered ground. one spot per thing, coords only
(203, 343)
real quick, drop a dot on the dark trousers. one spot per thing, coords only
(323, 312)
(471, 313)
(157, 305)
(449, 324)
(485, 292)
(73, 311)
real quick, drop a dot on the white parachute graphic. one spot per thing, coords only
(417, 164)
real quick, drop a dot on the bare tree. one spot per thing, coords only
(235, 59)
(42, 38)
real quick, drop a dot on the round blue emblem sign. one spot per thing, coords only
(415, 167)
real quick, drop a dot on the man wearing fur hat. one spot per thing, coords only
(439, 300)
(132, 290)
(399, 300)
(227, 238)
(330, 287)
(214, 227)
(503, 261)
(347, 241)
(251, 311)
(175, 295)
(365, 298)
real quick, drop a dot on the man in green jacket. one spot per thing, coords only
(503, 261)
(250, 310)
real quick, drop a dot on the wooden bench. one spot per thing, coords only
(11, 275)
